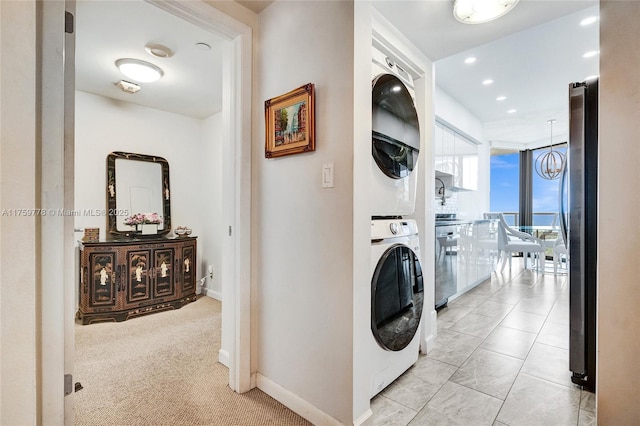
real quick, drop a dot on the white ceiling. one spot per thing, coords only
(532, 54)
(110, 30)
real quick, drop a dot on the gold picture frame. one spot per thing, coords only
(290, 123)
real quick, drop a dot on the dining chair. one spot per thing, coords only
(560, 252)
(511, 240)
(446, 243)
(486, 241)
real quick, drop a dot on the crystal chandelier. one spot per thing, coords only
(549, 164)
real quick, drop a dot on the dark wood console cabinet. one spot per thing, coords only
(123, 279)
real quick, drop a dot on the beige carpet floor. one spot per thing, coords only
(162, 369)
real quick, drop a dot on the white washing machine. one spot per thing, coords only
(397, 291)
(395, 139)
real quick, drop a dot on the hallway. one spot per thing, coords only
(501, 358)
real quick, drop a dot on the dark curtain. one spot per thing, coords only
(526, 189)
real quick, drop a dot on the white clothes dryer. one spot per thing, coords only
(395, 139)
(397, 291)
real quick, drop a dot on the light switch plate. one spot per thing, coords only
(327, 175)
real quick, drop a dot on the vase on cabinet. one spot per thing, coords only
(147, 228)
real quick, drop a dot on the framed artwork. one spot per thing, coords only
(290, 123)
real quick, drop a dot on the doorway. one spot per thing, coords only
(236, 216)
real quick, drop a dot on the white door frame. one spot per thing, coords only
(236, 276)
(58, 304)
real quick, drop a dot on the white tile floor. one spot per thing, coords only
(501, 358)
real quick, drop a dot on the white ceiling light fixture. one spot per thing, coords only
(138, 70)
(481, 11)
(158, 50)
(487, 82)
(512, 111)
(470, 60)
(588, 21)
(128, 87)
(590, 54)
(501, 98)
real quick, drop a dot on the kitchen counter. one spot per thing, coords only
(461, 222)
(466, 253)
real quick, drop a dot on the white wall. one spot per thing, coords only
(469, 205)
(304, 233)
(191, 146)
(210, 209)
(19, 267)
(618, 339)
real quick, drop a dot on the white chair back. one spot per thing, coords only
(503, 239)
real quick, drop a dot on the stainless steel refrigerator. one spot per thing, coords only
(578, 205)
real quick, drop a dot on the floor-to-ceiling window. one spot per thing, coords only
(506, 183)
(545, 193)
(504, 186)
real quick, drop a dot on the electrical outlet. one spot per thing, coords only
(210, 272)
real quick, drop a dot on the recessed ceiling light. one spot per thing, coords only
(203, 46)
(481, 11)
(487, 82)
(138, 70)
(588, 21)
(501, 98)
(590, 54)
(512, 111)
(158, 50)
(470, 60)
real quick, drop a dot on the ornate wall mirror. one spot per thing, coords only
(137, 184)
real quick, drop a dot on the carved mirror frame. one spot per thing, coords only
(114, 211)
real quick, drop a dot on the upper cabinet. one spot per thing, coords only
(457, 156)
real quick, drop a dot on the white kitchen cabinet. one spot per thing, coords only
(466, 163)
(469, 261)
(457, 156)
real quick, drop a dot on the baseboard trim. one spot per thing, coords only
(294, 402)
(223, 357)
(213, 294)
(364, 418)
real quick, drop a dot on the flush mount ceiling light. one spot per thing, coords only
(138, 70)
(481, 11)
(487, 82)
(470, 60)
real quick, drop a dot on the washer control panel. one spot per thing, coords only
(392, 228)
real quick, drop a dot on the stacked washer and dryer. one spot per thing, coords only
(396, 285)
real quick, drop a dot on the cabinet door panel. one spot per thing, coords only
(139, 269)
(163, 272)
(102, 281)
(188, 268)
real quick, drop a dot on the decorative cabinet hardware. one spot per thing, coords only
(123, 279)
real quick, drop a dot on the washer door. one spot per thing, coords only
(396, 298)
(396, 132)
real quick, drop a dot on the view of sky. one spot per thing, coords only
(504, 188)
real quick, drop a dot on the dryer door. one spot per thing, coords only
(396, 298)
(396, 132)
